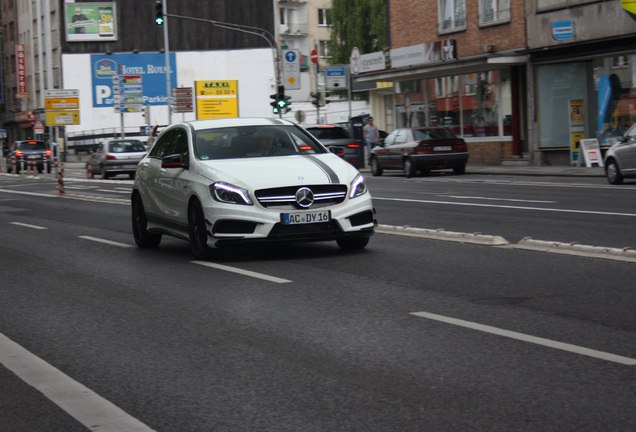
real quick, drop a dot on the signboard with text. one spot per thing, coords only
(150, 67)
(91, 22)
(216, 99)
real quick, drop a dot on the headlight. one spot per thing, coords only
(358, 187)
(227, 193)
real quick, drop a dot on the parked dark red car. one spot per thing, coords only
(419, 149)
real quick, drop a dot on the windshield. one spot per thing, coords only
(126, 147)
(427, 134)
(253, 141)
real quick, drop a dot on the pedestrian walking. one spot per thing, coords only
(371, 134)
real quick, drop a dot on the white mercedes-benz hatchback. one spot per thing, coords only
(235, 181)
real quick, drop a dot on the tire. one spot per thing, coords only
(131, 176)
(459, 170)
(612, 173)
(105, 174)
(197, 231)
(376, 169)
(143, 237)
(353, 243)
(409, 169)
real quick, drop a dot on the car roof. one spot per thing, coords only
(233, 122)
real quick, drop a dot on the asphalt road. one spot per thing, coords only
(411, 333)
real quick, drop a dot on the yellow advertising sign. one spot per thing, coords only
(216, 88)
(217, 108)
(61, 103)
(61, 118)
(216, 99)
(629, 6)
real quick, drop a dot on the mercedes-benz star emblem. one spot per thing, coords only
(304, 197)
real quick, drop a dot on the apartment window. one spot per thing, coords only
(452, 15)
(494, 11)
(323, 17)
(324, 48)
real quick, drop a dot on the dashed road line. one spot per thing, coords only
(242, 272)
(80, 402)
(109, 242)
(29, 225)
(530, 339)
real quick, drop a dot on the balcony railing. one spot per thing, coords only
(294, 29)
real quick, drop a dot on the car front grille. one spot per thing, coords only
(284, 198)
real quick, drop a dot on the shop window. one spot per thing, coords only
(452, 15)
(493, 12)
(471, 105)
(620, 62)
(557, 85)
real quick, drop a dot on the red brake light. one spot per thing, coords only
(111, 157)
(32, 142)
(353, 145)
(461, 147)
(18, 153)
(305, 147)
(48, 152)
(423, 149)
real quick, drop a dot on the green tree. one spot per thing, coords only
(356, 23)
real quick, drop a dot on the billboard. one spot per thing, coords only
(151, 67)
(90, 22)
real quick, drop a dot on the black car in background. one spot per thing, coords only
(338, 136)
(24, 151)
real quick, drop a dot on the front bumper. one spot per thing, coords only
(234, 224)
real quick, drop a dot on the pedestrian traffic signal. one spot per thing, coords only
(326, 101)
(159, 19)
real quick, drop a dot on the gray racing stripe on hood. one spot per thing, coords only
(333, 177)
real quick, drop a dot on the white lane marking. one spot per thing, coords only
(80, 402)
(29, 226)
(500, 199)
(531, 339)
(505, 206)
(242, 272)
(110, 242)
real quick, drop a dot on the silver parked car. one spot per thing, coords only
(114, 157)
(620, 159)
(247, 180)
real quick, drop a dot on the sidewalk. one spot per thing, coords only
(547, 171)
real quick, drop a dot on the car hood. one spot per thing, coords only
(277, 171)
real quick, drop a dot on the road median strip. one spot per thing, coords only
(627, 254)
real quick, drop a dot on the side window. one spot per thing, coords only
(401, 137)
(161, 147)
(181, 145)
(390, 139)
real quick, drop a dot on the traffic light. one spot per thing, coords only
(159, 19)
(315, 99)
(287, 100)
(274, 103)
(326, 101)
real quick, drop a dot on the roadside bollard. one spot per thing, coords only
(13, 165)
(59, 173)
(21, 164)
(89, 171)
(31, 167)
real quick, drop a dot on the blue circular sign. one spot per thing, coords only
(290, 56)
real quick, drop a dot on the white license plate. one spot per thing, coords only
(306, 217)
(442, 148)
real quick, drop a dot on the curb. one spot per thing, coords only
(620, 254)
(441, 234)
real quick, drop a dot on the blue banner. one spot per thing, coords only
(150, 67)
(604, 95)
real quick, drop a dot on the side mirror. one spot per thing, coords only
(173, 161)
(623, 138)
